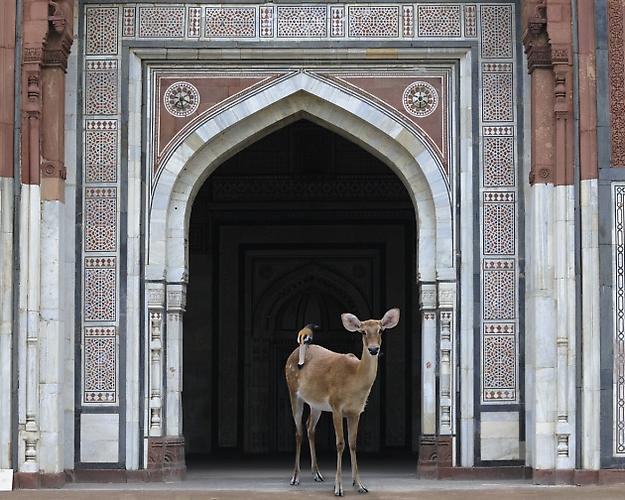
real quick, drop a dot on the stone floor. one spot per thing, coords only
(268, 480)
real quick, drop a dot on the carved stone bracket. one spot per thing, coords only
(59, 39)
(536, 39)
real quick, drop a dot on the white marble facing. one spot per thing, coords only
(541, 327)
(29, 312)
(69, 250)
(134, 302)
(564, 274)
(6, 318)
(499, 436)
(51, 332)
(591, 346)
(465, 180)
(99, 438)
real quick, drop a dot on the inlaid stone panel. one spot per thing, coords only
(302, 22)
(100, 365)
(100, 157)
(373, 22)
(101, 29)
(101, 87)
(439, 20)
(499, 362)
(100, 289)
(496, 31)
(100, 219)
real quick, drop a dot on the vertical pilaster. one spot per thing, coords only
(156, 305)
(429, 356)
(447, 357)
(176, 302)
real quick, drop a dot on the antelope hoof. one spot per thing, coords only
(318, 477)
(294, 481)
(361, 487)
(338, 491)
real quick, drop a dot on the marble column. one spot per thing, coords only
(428, 359)
(176, 302)
(156, 305)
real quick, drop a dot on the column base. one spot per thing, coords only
(434, 453)
(166, 458)
(36, 480)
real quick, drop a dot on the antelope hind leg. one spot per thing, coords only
(313, 418)
(297, 406)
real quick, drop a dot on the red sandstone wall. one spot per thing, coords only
(7, 90)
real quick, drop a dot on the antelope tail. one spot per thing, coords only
(305, 337)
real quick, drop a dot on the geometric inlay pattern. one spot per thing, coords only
(100, 219)
(497, 97)
(496, 32)
(181, 99)
(266, 21)
(99, 365)
(101, 151)
(499, 289)
(618, 277)
(305, 21)
(408, 20)
(439, 20)
(101, 88)
(161, 22)
(470, 21)
(128, 23)
(194, 19)
(420, 99)
(227, 22)
(499, 217)
(373, 22)
(499, 355)
(100, 288)
(498, 165)
(101, 30)
(337, 16)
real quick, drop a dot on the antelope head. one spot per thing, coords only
(371, 329)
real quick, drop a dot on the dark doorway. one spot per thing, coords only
(298, 227)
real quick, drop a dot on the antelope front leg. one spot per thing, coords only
(337, 418)
(313, 418)
(352, 429)
(297, 405)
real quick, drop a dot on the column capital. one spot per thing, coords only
(427, 296)
(155, 292)
(176, 297)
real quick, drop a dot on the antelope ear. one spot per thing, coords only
(390, 319)
(350, 322)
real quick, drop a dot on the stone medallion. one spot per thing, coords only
(181, 99)
(420, 99)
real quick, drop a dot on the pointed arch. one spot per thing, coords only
(300, 96)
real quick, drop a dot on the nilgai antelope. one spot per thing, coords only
(305, 337)
(340, 383)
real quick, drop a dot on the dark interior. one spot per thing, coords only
(299, 227)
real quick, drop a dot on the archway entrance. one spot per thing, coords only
(299, 227)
